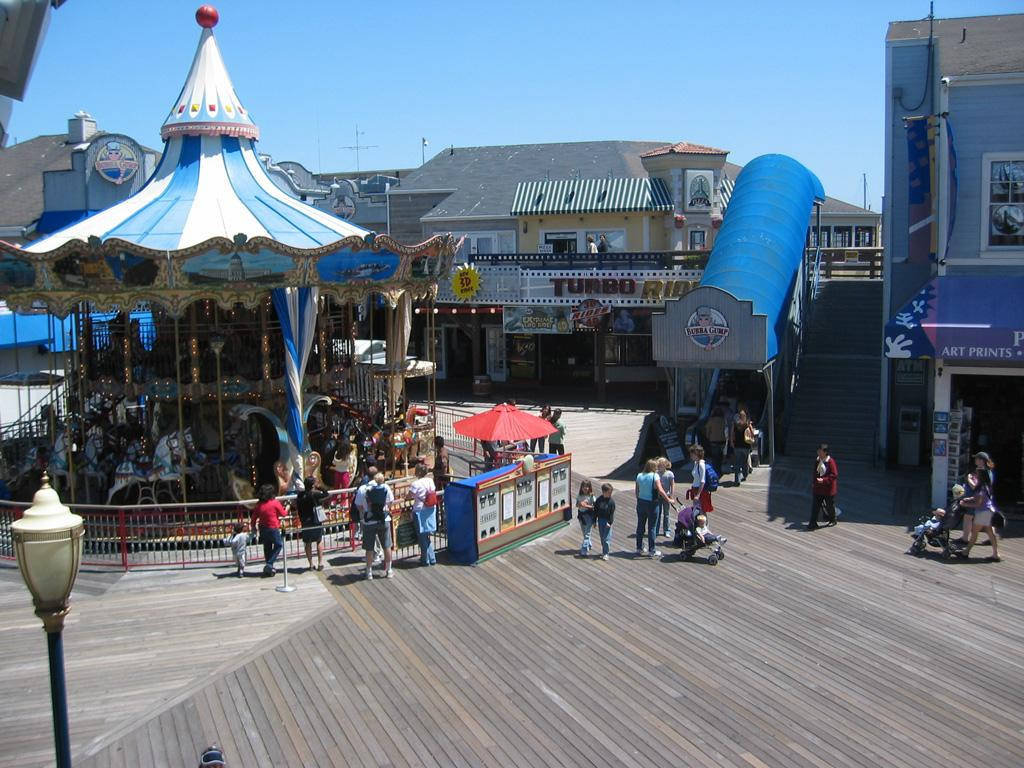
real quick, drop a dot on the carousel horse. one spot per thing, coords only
(95, 457)
(242, 489)
(59, 458)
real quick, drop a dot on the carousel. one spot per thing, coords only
(223, 334)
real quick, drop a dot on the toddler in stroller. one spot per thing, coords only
(693, 533)
(934, 531)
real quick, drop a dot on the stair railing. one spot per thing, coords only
(816, 275)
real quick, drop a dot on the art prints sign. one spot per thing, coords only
(116, 162)
(698, 191)
(707, 327)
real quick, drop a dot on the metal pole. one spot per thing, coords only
(220, 407)
(59, 699)
(181, 411)
(17, 362)
(69, 437)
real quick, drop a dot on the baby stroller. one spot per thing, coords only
(687, 540)
(928, 535)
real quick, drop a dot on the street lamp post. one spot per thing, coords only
(217, 345)
(48, 545)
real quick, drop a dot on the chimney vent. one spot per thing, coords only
(81, 127)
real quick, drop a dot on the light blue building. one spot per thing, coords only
(954, 246)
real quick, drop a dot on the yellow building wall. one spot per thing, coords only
(631, 222)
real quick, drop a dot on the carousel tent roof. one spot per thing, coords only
(209, 182)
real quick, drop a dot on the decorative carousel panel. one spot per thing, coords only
(238, 269)
(83, 269)
(16, 272)
(348, 267)
(136, 271)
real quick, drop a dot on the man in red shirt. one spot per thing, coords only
(824, 488)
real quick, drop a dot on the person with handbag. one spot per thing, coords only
(424, 511)
(312, 515)
(740, 433)
(982, 505)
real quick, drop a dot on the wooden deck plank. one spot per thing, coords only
(799, 651)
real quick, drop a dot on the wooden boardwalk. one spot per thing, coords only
(818, 649)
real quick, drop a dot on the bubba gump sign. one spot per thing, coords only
(648, 290)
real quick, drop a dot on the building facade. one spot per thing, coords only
(954, 247)
(56, 180)
(547, 311)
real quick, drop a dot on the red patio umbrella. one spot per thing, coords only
(504, 423)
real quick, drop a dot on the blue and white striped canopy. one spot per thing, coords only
(209, 182)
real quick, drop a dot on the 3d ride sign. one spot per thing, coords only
(465, 283)
(707, 327)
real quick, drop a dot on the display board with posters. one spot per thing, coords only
(537, 319)
(505, 507)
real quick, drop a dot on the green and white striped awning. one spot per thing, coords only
(537, 198)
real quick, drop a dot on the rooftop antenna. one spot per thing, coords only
(865, 177)
(357, 146)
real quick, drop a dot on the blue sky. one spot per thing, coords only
(805, 79)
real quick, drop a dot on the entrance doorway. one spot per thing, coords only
(568, 358)
(997, 427)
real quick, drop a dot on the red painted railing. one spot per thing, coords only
(183, 535)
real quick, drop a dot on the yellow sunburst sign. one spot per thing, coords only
(466, 283)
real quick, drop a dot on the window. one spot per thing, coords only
(842, 237)
(1003, 197)
(865, 237)
(500, 241)
(561, 242)
(616, 239)
(697, 239)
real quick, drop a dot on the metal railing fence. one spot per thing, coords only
(186, 535)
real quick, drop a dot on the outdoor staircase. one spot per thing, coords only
(837, 395)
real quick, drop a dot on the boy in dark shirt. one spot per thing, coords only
(604, 511)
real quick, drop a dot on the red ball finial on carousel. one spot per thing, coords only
(207, 16)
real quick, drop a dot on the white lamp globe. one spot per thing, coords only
(48, 545)
(528, 463)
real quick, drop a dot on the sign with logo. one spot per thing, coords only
(116, 162)
(699, 188)
(537, 319)
(343, 206)
(707, 327)
(588, 313)
(465, 283)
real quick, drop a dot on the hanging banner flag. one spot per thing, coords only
(921, 220)
(954, 183)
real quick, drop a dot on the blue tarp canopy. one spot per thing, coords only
(34, 330)
(759, 250)
(961, 317)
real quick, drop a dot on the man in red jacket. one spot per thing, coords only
(823, 488)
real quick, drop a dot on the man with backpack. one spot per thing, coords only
(377, 523)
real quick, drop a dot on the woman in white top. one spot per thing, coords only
(424, 509)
